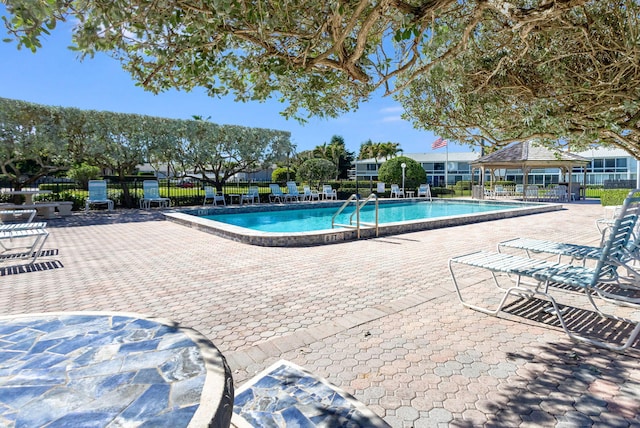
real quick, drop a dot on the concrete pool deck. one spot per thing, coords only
(378, 318)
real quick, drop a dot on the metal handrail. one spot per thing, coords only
(359, 206)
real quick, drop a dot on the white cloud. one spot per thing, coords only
(396, 109)
(391, 119)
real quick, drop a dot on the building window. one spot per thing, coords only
(621, 164)
(609, 165)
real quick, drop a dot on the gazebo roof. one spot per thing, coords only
(525, 154)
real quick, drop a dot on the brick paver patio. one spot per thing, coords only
(378, 318)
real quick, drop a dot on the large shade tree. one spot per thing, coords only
(33, 142)
(215, 153)
(321, 57)
(36, 140)
(573, 80)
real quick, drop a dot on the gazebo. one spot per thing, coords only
(526, 156)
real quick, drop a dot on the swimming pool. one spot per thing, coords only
(319, 218)
(303, 224)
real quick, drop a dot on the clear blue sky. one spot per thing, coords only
(54, 76)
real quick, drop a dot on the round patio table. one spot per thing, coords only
(110, 369)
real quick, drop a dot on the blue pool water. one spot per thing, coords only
(313, 219)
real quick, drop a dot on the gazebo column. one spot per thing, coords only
(525, 181)
(570, 181)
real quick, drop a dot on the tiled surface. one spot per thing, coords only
(286, 395)
(378, 318)
(76, 370)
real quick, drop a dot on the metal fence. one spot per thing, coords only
(189, 192)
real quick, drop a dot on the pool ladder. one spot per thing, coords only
(359, 205)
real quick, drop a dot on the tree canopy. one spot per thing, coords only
(47, 139)
(391, 172)
(480, 71)
(32, 142)
(574, 81)
(321, 57)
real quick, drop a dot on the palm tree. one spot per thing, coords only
(368, 149)
(336, 152)
(389, 150)
(321, 152)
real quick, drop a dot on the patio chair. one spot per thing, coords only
(151, 194)
(424, 190)
(518, 190)
(609, 219)
(581, 253)
(562, 194)
(292, 192)
(252, 195)
(34, 238)
(17, 215)
(98, 195)
(396, 192)
(488, 193)
(276, 193)
(309, 195)
(531, 192)
(22, 226)
(500, 190)
(544, 273)
(329, 192)
(212, 193)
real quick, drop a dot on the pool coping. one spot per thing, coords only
(192, 218)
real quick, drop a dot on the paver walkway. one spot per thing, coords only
(378, 318)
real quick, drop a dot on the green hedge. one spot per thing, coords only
(441, 191)
(463, 185)
(500, 183)
(58, 187)
(613, 196)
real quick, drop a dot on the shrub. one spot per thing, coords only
(391, 172)
(83, 173)
(315, 171)
(613, 196)
(78, 199)
(348, 189)
(279, 175)
(58, 187)
(442, 191)
(463, 185)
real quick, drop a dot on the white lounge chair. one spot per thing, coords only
(276, 193)
(581, 253)
(501, 191)
(252, 195)
(424, 191)
(544, 273)
(30, 243)
(151, 194)
(292, 192)
(329, 192)
(98, 195)
(17, 215)
(396, 191)
(518, 190)
(531, 192)
(562, 193)
(309, 195)
(211, 193)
